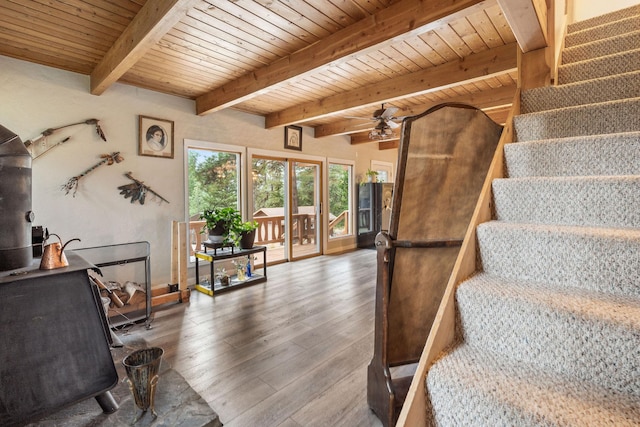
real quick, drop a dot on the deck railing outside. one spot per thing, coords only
(340, 220)
(270, 231)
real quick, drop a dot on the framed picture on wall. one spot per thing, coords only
(293, 137)
(156, 137)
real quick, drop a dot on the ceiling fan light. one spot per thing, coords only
(380, 133)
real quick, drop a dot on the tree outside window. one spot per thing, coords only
(213, 180)
(340, 176)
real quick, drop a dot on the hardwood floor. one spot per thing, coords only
(289, 352)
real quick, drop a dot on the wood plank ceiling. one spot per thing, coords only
(316, 63)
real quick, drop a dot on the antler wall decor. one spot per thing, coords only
(109, 159)
(31, 143)
(138, 191)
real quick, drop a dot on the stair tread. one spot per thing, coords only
(570, 179)
(601, 89)
(587, 231)
(613, 16)
(614, 154)
(598, 67)
(471, 388)
(573, 332)
(599, 118)
(604, 30)
(596, 105)
(602, 259)
(624, 310)
(602, 47)
(596, 201)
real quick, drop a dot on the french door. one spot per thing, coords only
(287, 206)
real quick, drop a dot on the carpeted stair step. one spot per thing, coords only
(604, 19)
(610, 201)
(614, 154)
(468, 388)
(598, 259)
(604, 31)
(603, 89)
(604, 47)
(571, 333)
(594, 119)
(618, 63)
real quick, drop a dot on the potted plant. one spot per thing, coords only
(245, 233)
(219, 222)
(369, 176)
(222, 276)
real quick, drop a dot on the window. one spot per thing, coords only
(340, 196)
(384, 169)
(213, 180)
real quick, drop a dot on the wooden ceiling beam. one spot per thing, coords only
(363, 138)
(390, 25)
(486, 99)
(389, 145)
(466, 70)
(151, 23)
(528, 21)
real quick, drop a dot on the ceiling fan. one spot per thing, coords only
(386, 122)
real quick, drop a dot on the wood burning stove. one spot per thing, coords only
(54, 350)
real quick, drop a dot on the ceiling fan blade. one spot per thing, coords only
(389, 112)
(392, 124)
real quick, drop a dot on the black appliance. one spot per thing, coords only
(374, 211)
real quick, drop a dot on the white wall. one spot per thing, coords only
(585, 9)
(35, 98)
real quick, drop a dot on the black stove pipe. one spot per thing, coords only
(15, 202)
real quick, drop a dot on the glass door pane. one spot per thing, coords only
(304, 184)
(268, 176)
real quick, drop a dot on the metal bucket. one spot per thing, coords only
(142, 368)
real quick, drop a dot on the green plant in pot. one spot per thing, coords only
(220, 222)
(223, 276)
(245, 233)
(369, 176)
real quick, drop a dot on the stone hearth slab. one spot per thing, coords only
(176, 403)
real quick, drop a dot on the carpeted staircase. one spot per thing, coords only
(549, 330)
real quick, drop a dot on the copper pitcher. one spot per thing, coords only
(53, 256)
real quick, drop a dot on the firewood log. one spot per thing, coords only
(110, 294)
